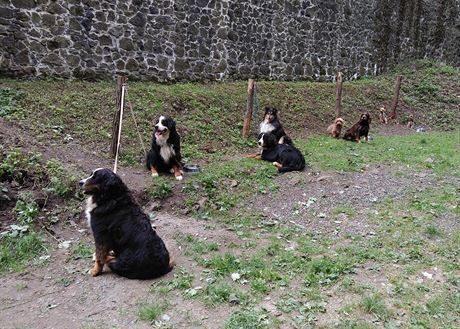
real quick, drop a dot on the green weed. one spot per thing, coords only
(16, 251)
(251, 319)
(151, 312)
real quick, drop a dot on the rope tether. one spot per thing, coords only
(135, 124)
(122, 103)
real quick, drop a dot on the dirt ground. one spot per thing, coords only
(61, 293)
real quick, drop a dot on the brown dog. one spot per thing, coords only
(383, 116)
(359, 129)
(410, 121)
(335, 128)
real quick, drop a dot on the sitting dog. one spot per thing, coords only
(335, 128)
(283, 156)
(120, 226)
(383, 116)
(164, 155)
(359, 129)
(271, 124)
(410, 121)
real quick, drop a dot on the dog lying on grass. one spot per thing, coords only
(284, 157)
(359, 129)
(119, 226)
(335, 128)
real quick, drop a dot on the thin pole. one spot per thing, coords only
(122, 103)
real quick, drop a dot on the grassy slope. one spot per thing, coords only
(407, 239)
(210, 116)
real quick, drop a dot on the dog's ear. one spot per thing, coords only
(113, 185)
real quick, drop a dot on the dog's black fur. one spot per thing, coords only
(164, 155)
(285, 157)
(119, 225)
(359, 129)
(271, 124)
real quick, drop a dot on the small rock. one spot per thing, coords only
(233, 299)
(165, 317)
(427, 275)
(235, 276)
(322, 215)
(429, 160)
(234, 183)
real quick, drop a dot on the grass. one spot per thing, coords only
(251, 319)
(303, 271)
(17, 251)
(151, 312)
(375, 304)
(436, 151)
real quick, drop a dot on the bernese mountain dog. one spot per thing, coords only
(359, 129)
(164, 155)
(123, 235)
(271, 124)
(283, 156)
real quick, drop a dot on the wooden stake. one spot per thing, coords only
(249, 109)
(396, 98)
(338, 96)
(116, 118)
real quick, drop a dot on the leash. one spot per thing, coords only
(135, 124)
(122, 104)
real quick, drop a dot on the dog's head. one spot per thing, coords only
(103, 182)
(163, 127)
(266, 141)
(339, 122)
(365, 118)
(271, 114)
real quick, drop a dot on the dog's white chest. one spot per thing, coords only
(90, 205)
(167, 152)
(266, 127)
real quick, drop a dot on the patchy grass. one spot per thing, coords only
(151, 312)
(436, 151)
(251, 318)
(201, 110)
(18, 249)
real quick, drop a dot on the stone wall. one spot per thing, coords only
(189, 40)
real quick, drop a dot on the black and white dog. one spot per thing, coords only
(124, 238)
(164, 155)
(283, 156)
(271, 124)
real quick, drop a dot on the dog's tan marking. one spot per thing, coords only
(154, 171)
(177, 172)
(278, 165)
(102, 253)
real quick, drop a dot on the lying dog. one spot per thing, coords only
(271, 124)
(359, 129)
(383, 116)
(164, 155)
(285, 157)
(335, 128)
(119, 226)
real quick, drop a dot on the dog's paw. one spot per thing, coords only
(94, 272)
(180, 177)
(154, 174)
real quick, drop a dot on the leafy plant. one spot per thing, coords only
(26, 209)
